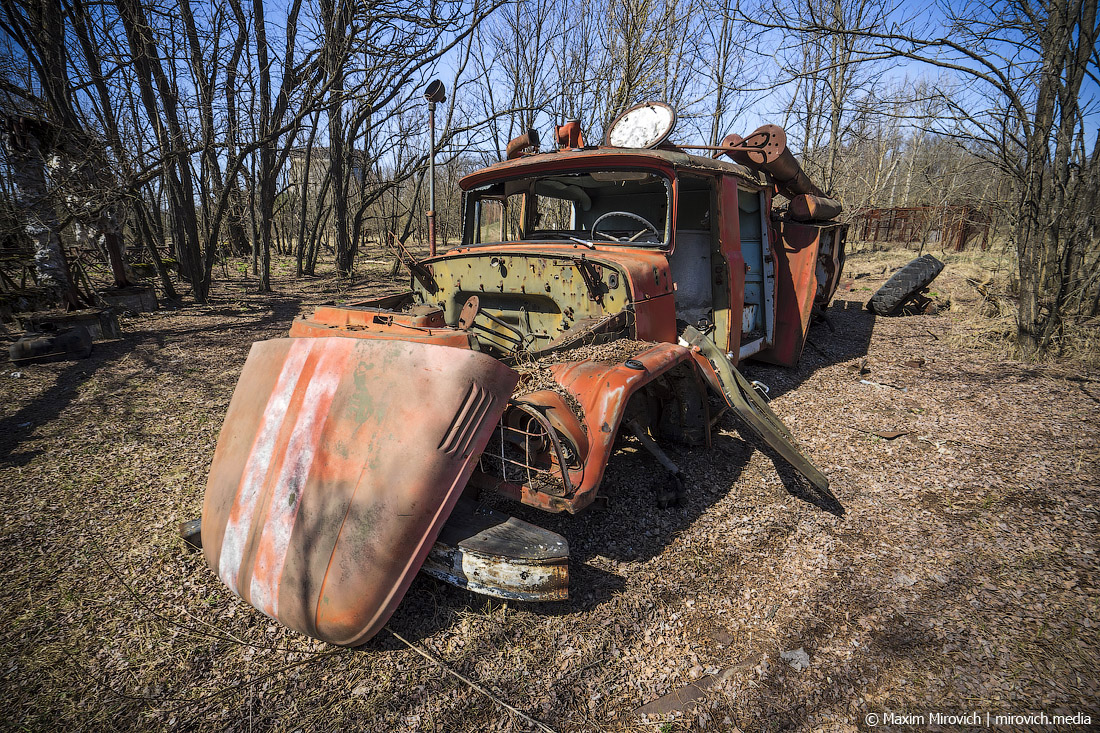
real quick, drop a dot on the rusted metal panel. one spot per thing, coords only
(494, 554)
(830, 263)
(395, 331)
(952, 225)
(749, 407)
(536, 273)
(420, 316)
(602, 391)
(795, 253)
(338, 463)
(729, 272)
(608, 159)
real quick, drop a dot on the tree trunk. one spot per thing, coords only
(147, 234)
(266, 182)
(172, 144)
(40, 223)
(304, 198)
(334, 14)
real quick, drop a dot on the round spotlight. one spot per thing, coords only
(435, 91)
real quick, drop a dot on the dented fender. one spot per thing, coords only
(603, 391)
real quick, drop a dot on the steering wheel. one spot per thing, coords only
(628, 215)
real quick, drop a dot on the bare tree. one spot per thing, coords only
(157, 93)
(833, 71)
(24, 141)
(1011, 93)
(728, 65)
(1024, 66)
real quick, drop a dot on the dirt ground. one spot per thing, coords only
(961, 577)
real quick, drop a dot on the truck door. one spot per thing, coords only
(728, 269)
(758, 315)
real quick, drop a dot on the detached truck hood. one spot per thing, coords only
(339, 461)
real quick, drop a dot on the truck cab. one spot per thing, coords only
(555, 242)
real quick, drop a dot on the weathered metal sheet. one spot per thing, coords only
(420, 316)
(728, 285)
(608, 159)
(538, 274)
(749, 407)
(796, 285)
(489, 552)
(395, 331)
(338, 463)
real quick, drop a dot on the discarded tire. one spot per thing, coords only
(904, 285)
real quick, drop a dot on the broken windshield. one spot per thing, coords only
(596, 207)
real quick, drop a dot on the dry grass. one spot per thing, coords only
(963, 575)
(980, 289)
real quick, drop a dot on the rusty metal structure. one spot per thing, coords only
(953, 226)
(598, 289)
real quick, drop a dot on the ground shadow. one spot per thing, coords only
(276, 311)
(899, 640)
(799, 486)
(844, 334)
(255, 322)
(49, 405)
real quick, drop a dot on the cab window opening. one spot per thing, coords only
(604, 207)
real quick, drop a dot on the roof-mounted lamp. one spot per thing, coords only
(435, 92)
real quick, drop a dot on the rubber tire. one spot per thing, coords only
(906, 282)
(191, 533)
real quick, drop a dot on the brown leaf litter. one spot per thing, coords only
(962, 575)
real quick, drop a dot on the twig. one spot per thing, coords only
(474, 685)
(879, 433)
(578, 670)
(883, 384)
(223, 636)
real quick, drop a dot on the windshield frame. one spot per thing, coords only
(471, 209)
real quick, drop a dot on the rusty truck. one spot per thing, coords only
(597, 290)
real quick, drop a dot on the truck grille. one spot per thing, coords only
(526, 450)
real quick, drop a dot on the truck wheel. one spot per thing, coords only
(904, 285)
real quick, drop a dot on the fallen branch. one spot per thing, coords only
(469, 682)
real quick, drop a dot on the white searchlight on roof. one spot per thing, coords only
(644, 125)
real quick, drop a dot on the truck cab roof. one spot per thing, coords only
(666, 158)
